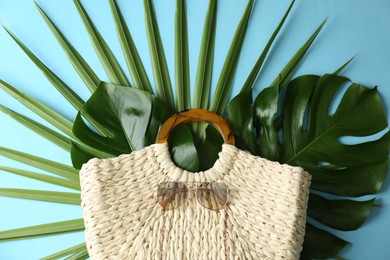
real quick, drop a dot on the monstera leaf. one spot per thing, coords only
(300, 124)
(126, 122)
(315, 129)
(313, 135)
(132, 118)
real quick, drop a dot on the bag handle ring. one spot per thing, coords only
(196, 115)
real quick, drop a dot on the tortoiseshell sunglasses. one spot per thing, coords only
(211, 195)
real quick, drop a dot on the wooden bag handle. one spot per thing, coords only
(195, 115)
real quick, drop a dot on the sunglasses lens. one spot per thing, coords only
(171, 195)
(212, 195)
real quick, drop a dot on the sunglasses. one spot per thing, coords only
(211, 195)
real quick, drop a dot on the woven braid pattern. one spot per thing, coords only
(265, 216)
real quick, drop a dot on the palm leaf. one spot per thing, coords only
(43, 177)
(129, 50)
(48, 196)
(205, 66)
(250, 81)
(51, 135)
(107, 58)
(86, 73)
(288, 71)
(43, 230)
(182, 66)
(64, 89)
(206, 57)
(41, 163)
(222, 90)
(65, 252)
(160, 69)
(83, 254)
(39, 108)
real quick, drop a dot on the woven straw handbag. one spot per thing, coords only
(142, 206)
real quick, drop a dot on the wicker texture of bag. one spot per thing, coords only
(264, 219)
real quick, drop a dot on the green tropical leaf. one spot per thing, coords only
(239, 115)
(64, 89)
(265, 112)
(339, 70)
(208, 151)
(41, 163)
(83, 254)
(320, 244)
(205, 68)
(79, 155)
(158, 116)
(129, 50)
(183, 150)
(160, 68)
(337, 213)
(206, 57)
(288, 71)
(85, 72)
(250, 81)
(43, 177)
(108, 105)
(125, 112)
(312, 135)
(65, 252)
(182, 66)
(42, 195)
(51, 135)
(224, 84)
(39, 108)
(107, 58)
(43, 230)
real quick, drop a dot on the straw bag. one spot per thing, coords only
(142, 206)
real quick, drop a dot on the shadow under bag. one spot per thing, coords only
(142, 206)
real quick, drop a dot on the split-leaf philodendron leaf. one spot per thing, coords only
(313, 135)
(305, 126)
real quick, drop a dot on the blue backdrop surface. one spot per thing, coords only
(355, 27)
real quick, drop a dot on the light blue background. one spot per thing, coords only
(355, 27)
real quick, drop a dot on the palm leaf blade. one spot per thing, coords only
(206, 57)
(83, 254)
(288, 71)
(41, 195)
(133, 60)
(157, 55)
(65, 252)
(259, 63)
(43, 230)
(182, 67)
(52, 136)
(222, 90)
(86, 73)
(41, 163)
(43, 177)
(107, 58)
(39, 108)
(65, 90)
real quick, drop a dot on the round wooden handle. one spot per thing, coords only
(196, 115)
